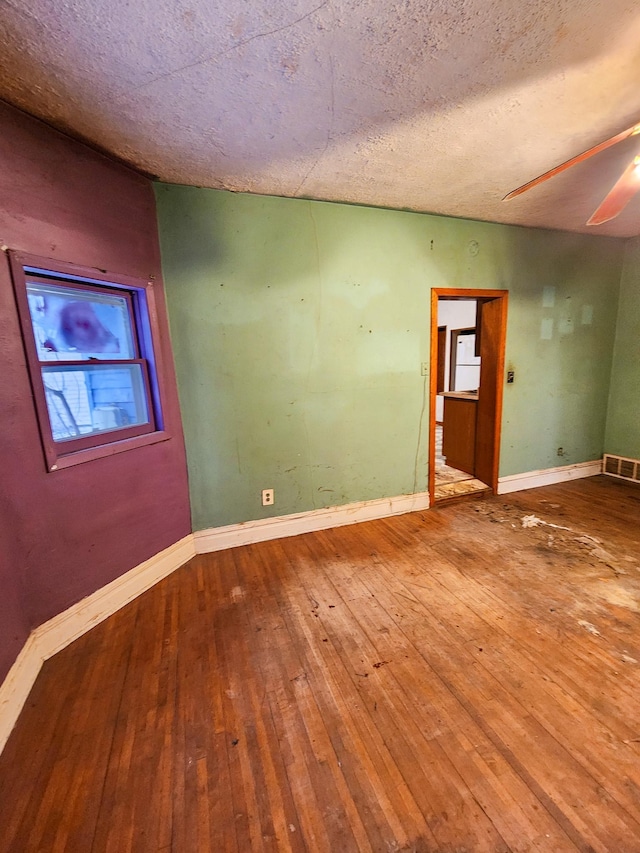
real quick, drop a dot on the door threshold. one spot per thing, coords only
(462, 488)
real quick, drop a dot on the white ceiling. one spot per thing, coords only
(432, 105)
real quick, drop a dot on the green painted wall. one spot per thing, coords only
(299, 329)
(623, 421)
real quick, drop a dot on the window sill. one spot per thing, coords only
(77, 457)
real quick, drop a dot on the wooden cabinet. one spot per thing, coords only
(459, 430)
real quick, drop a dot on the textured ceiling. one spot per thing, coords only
(423, 104)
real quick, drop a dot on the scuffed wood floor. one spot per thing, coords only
(443, 681)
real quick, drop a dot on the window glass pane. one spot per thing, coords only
(70, 323)
(94, 399)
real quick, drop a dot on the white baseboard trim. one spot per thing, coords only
(249, 532)
(548, 476)
(54, 635)
(17, 685)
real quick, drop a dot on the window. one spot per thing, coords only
(94, 375)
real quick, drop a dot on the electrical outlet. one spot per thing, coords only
(560, 451)
(424, 368)
(268, 497)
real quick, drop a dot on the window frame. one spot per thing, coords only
(146, 341)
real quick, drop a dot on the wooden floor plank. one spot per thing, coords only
(448, 680)
(81, 689)
(434, 783)
(507, 713)
(474, 757)
(342, 744)
(346, 822)
(357, 739)
(276, 645)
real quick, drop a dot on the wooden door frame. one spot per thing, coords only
(464, 293)
(442, 357)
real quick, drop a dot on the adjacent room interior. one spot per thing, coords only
(320, 464)
(458, 370)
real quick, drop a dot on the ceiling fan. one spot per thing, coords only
(627, 185)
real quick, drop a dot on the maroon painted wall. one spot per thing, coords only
(67, 533)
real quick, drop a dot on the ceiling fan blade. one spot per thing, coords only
(632, 131)
(619, 195)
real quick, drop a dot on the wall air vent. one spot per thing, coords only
(620, 466)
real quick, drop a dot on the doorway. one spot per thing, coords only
(468, 334)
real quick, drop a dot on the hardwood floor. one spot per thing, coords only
(449, 680)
